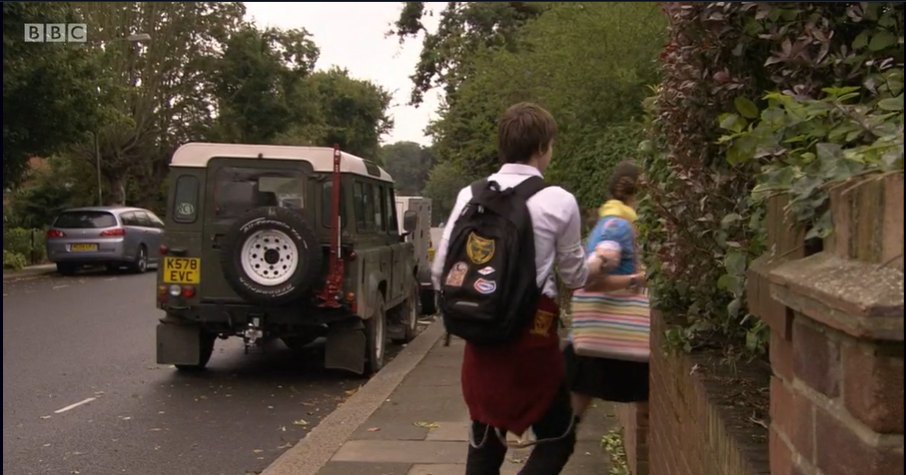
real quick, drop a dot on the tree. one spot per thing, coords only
(267, 93)
(48, 98)
(158, 93)
(445, 181)
(258, 84)
(409, 164)
(465, 27)
(590, 64)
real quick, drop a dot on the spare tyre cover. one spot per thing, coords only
(271, 256)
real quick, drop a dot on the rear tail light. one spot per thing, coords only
(188, 291)
(55, 234)
(161, 295)
(113, 232)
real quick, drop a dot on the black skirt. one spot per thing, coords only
(607, 379)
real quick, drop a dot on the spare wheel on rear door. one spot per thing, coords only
(271, 256)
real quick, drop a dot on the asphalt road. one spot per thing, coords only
(82, 393)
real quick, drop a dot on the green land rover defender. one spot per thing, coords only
(295, 243)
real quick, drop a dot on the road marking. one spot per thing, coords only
(73, 406)
(60, 286)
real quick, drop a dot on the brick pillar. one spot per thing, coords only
(836, 346)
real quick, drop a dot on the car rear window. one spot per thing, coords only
(85, 220)
(239, 189)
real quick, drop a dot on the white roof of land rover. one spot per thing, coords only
(197, 155)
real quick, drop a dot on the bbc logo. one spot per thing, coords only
(56, 32)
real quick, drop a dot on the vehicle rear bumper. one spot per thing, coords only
(230, 318)
(106, 252)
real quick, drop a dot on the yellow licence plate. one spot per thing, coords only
(83, 247)
(182, 270)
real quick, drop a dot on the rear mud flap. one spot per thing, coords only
(178, 344)
(345, 346)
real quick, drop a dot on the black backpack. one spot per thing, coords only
(488, 286)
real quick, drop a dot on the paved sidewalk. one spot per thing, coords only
(31, 271)
(422, 428)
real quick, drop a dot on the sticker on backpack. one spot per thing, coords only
(485, 287)
(486, 271)
(457, 274)
(480, 250)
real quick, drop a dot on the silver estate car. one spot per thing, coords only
(110, 236)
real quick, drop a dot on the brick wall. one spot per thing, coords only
(691, 432)
(633, 418)
(836, 346)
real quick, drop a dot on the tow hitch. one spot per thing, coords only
(252, 334)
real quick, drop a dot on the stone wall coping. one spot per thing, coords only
(862, 299)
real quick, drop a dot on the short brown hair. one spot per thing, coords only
(624, 181)
(523, 130)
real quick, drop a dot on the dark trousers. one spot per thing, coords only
(547, 458)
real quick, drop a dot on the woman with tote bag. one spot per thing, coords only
(607, 356)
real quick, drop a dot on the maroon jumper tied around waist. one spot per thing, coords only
(510, 386)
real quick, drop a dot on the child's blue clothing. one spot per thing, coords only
(618, 230)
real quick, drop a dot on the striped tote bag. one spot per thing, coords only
(611, 325)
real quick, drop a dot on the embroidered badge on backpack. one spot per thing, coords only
(479, 249)
(485, 287)
(457, 274)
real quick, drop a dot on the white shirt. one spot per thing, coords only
(557, 225)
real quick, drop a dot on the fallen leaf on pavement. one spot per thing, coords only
(257, 451)
(46, 417)
(374, 429)
(285, 446)
(301, 422)
(427, 425)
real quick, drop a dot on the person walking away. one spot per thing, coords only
(607, 357)
(494, 269)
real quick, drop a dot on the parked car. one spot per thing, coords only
(288, 242)
(110, 236)
(420, 237)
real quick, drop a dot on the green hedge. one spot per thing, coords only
(25, 243)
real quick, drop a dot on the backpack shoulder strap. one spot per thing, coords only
(478, 186)
(529, 187)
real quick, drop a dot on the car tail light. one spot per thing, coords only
(188, 291)
(55, 234)
(113, 232)
(161, 295)
(164, 249)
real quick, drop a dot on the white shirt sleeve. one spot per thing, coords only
(437, 266)
(571, 263)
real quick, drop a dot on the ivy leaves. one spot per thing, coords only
(806, 145)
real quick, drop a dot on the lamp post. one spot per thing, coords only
(134, 38)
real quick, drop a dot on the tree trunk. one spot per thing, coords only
(116, 195)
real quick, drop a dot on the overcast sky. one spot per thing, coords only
(351, 36)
